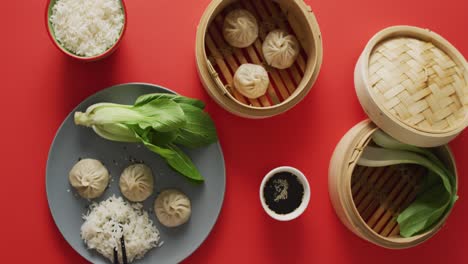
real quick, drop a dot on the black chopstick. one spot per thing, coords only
(116, 256)
(124, 251)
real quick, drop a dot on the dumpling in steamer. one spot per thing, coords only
(251, 80)
(280, 49)
(240, 28)
(89, 177)
(137, 182)
(172, 208)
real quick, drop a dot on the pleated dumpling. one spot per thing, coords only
(280, 49)
(172, 208)
(137, 182)
(89, 177)
(251, 80)
(240, 28)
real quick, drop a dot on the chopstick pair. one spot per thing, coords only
(124, 252)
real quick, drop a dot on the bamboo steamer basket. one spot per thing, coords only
(368, 205)
(217, 61)
(413, 84)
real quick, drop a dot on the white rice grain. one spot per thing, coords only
(106, 222)
(87, 27)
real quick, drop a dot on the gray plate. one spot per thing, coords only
(72, 142)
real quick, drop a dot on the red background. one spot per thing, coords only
(40, 86)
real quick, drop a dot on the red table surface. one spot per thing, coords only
(40, 86)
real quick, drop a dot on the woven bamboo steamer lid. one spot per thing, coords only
(414, 85)
(217, 61)
(343, 165)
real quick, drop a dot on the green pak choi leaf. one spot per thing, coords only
(161, 115)
(199, 129)
(174, 156)
(144, 99)
(424, 212)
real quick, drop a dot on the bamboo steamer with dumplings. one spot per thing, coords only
(217, 61)
(413, 84)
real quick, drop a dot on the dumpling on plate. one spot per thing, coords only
(280, 49)
(137, 182)
(172, 208)
(240, 28)
(89, 177)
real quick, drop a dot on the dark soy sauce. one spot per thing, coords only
(283, 193)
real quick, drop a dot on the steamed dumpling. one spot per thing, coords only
(240, 28)
(137, 182)
(280, 49)
(251, 80)
(89, 177)
(172, 208)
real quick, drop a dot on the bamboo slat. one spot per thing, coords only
(216, 55)
(386, 192)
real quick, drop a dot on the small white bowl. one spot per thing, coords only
(305, 200)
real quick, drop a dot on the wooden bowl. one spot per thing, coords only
(217, 61)
(109, 51)
(414, 85)
(367, 200)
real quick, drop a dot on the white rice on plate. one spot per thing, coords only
(106, 221)
(87, 27)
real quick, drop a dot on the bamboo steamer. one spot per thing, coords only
(217, 61)
(413, 84)
(369, 208)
